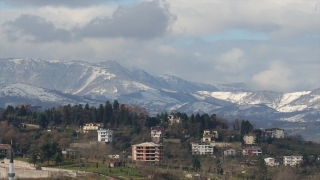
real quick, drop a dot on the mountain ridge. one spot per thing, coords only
(98, 82)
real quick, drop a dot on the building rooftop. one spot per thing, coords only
(271, 129)
(157, 128)
(5, 146)
(252, 148)
(147, 144)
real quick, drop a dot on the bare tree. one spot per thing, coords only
(286, 173)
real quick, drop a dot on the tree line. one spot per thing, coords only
(111, 115)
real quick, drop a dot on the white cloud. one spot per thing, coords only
(181, 45)
(230, 62)
(276, 78)
(271, 16)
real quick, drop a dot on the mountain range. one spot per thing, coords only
(55, 82)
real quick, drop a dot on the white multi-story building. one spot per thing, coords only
(271, 162)
(174, 120)
(275, 132)
(157, 133)
(201, 148)
(292, 160)
(230, 152)
(105, 135)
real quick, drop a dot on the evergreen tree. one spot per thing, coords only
(100, 113)
(192, 118)
(66, 115)
(262, 169)
(236, 125)
(9, 110)
(196, 164)
(197, 118)
(33, 154)
(58, 157)
(46, 152)
(42, 120)
(86, 107)
(214, 121)
(115, 105)
(22, 111)
(246, 127)
(108, 113)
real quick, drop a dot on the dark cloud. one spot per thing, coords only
(144, 21)
(37, 27)
(68, 3)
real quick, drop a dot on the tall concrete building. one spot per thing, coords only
(105, 135)
(147, 152)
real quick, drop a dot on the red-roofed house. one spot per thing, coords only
(251, 151)
(157, 133)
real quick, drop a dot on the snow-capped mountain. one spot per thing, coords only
(14, 94)
(69, 82)
(83, 78)
(282, 102)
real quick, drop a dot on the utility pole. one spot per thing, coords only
(11, 173)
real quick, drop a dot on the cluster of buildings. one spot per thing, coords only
(153, 151)
(150, 151)
(277, 133)
(145, 152)
(287, 161)
(104, 135)
(204, 146)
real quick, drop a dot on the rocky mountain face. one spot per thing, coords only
(53, 82)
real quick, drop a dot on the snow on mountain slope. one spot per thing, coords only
(234, 97)
(83, 78)
(71, 82)
(302, 101)
(22, 92)
(282, 102)
(178, 84)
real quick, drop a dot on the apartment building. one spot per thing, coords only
(209, 136)
(201, 148)
(230, 152)
(157, 133)
(174, 120)
(292, 160)
(105, 135)
(91, 127)
(271, 162)
(249, 139)
(275, 132)
(147, 152)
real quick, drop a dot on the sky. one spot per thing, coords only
(271, 45)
